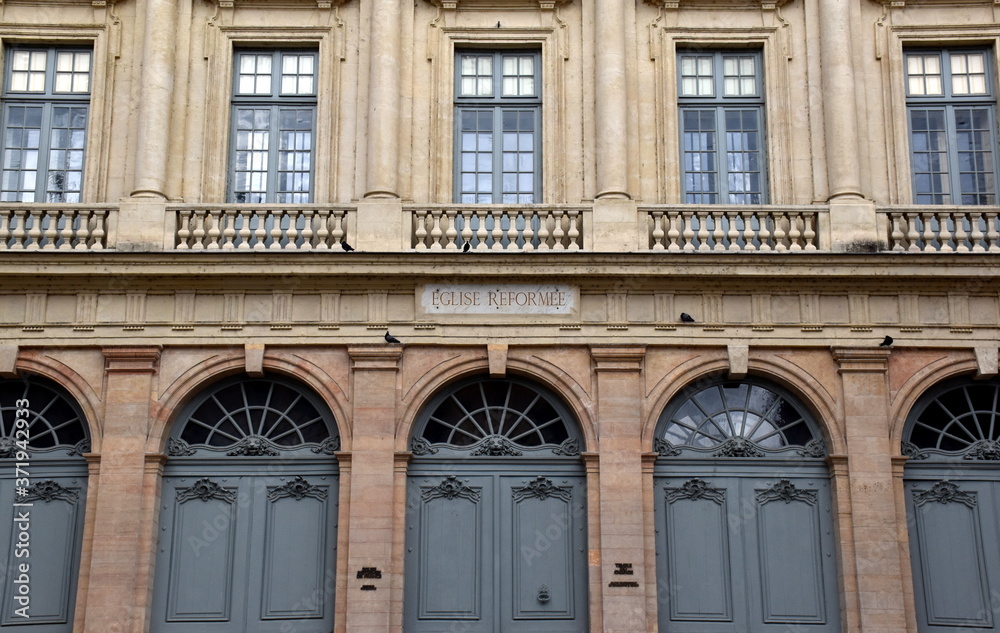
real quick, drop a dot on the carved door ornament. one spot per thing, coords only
(696, 489)
(785, 490)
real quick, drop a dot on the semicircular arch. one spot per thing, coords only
(76, 387)
(920, 383)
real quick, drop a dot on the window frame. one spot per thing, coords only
(948, 103)
(721, 105)
(48, 99)
(274, 101)
(497, 104)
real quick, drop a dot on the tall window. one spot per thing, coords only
(274, 118)
(46, 98)
(722, 127)
(952, 112)
(497, 127)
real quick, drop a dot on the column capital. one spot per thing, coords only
(618, 357)
(861, 359)
(131, 359)
(375, 357)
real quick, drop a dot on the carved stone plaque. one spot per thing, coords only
(499, 299)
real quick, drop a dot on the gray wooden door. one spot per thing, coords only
(496, 514)
(248, 516)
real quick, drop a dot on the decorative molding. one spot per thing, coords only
(861, 359)
(177, 447)
(911, 450)
(497, 446)
(983, 450)
(618, 357)
(8, 447)
(206, 489)
(329, 446)
(298, 489)
(420, 446)
(785, 490)
(454, 5)
(131, 360)
(451, 488)
(944, 492)
(570, 447)
(696, 489)
(48, 490)
(254, 446)
(764, 5)
(541, 488)
(81, 447)
(738, 447)
(813, 448)
(665, 449)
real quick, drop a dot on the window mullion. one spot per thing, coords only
(498, 141)
(44, 152)
(273, 142)
(951, 138)
(721, 156)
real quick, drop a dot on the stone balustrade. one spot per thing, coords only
(700, 228)
(59, 227)
(261, 227)
(942, 229)
(498, 227)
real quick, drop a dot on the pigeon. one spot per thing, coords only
(347, 247)
(886, 342)
(389, 338)
(686, 318)
(467, 247)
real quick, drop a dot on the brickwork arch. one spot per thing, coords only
(914, 388)
(76, 386)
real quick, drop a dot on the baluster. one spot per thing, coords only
(183, 229)
(277, 217)
(229, 233)
(673, 233)
(529, 233)
(322, 229)
(975, 219)
(466, 227)
(558, 233)
(307, 229)
(245, 231)
(809, 235)
(912, 236)
(512, 230)
(66, 235)
(420, 232)
(481, 233)
(944, 233)
(292, 234)
(451, 230)
(198, 234)
(764, 234)
(960, 235)
(543, 230)
(929, 232)
(19, 231)
(719, 220)
(5, 217)
(260, 232)
(497, 231)
(992, 235)
(338, 233)
(99, 233)
(686, 219)
(213, 220)
(703, 231)
(748, 231)
(35, 232)
(794, 233)
(436, 231)
(50, 230)
(574, 229)
(897, 231)
(779, 232)
(658, 233)
(733, 235)
(83, 234)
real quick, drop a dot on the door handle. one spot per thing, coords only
(543, 594)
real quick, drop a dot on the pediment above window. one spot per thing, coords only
(544, 5)
(764, 5)
(288, 4)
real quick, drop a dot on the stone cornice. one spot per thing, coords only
(766, 5)
(901, 4)
(861, 359)
(375, 357)
(617, 358)
(131, 360)
(453, 5)
(285, 4)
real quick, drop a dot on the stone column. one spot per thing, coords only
(114, 605)
(611, 105)
(155, 92)
(840, 114)
(385, 56)
(372, 500)
(619, 421)
(874, 514)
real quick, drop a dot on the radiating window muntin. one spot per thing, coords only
(55, 424)
(497, 127)
(956, 421)
(721, 112)
(707, 417)
(273, 126)
(952, 120)
(46, 108)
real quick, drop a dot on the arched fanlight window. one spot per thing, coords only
(55, 428)
(958, 421)
(736, 419)
(255, 417)
(497, 417)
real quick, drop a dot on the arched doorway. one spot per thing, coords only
(248, 515)
(43, 491)
(952, 483)
(496, 513)
(744, 527)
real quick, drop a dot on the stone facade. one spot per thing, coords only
(158, 298)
